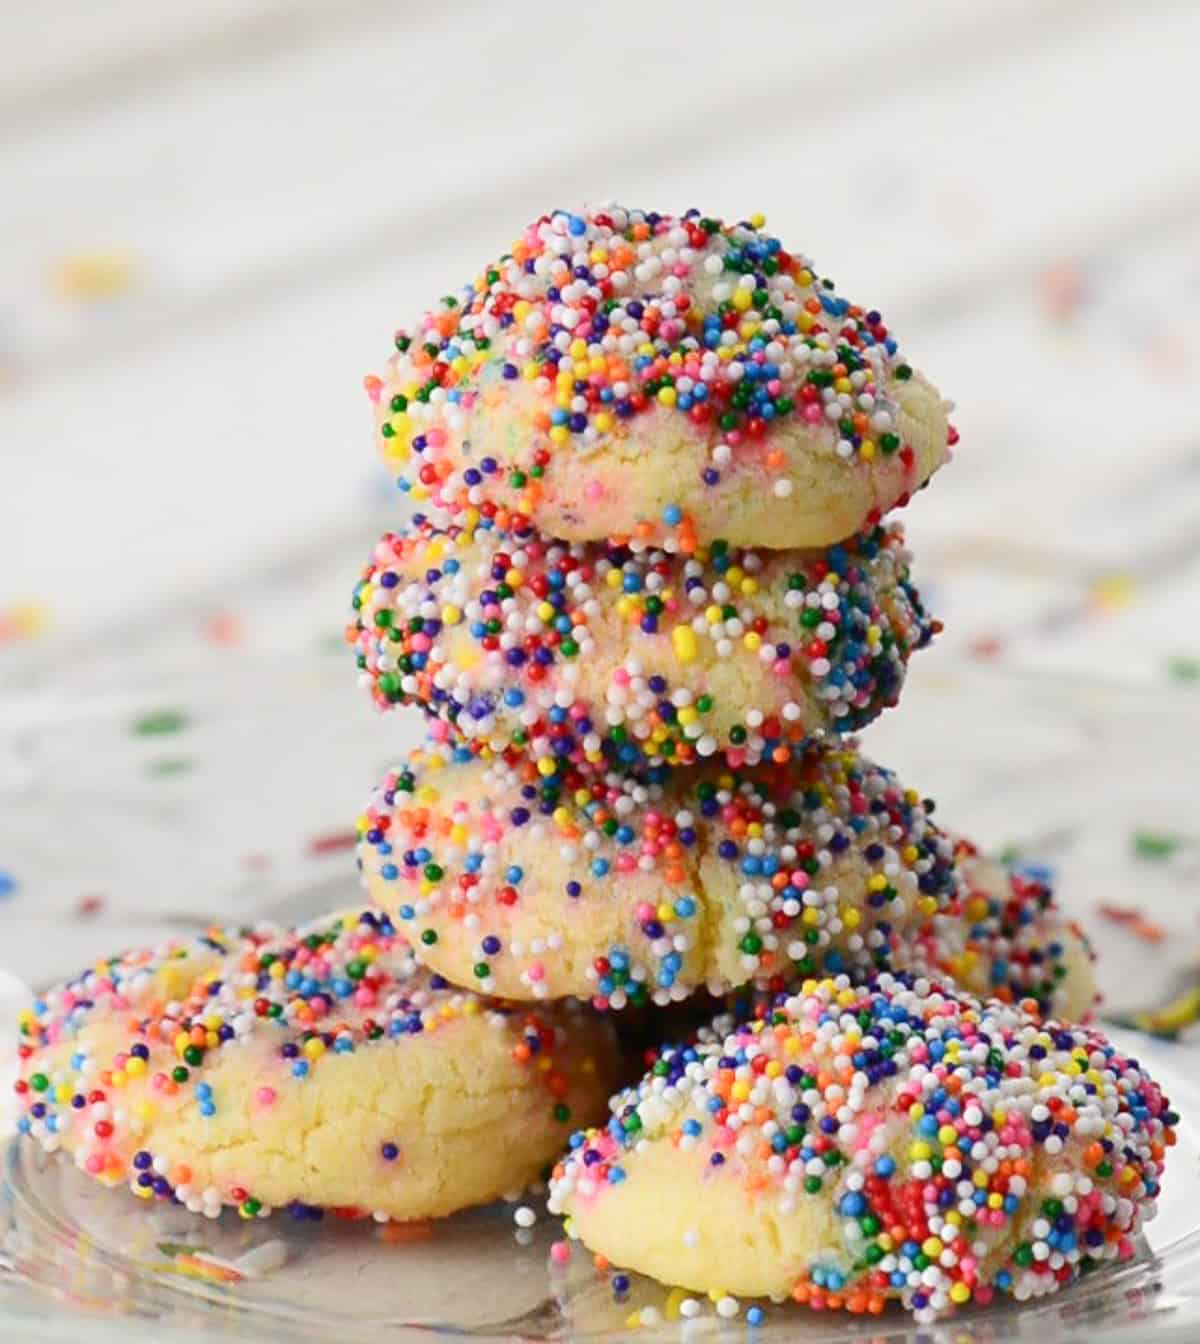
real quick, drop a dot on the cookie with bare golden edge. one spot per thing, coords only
(621, 889)
(321, 1068)
(679, 380)
(851, 1145)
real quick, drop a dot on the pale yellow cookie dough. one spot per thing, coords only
(321, 1069)
(534, 888)
(1006, 936)
(622, 373)
(595, 652)
(851, 1145)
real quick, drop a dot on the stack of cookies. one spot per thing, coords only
(648, 588)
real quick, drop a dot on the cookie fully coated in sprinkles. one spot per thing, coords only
(679, 380)
(316, 1070)
(621, 890)
(626, 655)
(853, 1145)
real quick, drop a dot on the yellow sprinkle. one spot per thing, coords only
(546, 766)
(135, 1066)
(851, 917)
(603, 422)
(667, 396)
(959, 1293)
(674, 1298)
(683, 639)
(451, 615)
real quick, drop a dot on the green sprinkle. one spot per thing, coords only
(1155, 844)
(160, 722)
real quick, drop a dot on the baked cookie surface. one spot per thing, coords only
(624, 373)
(316, 1069)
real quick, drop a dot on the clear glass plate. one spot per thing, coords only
(80, 1261)
(160, 780)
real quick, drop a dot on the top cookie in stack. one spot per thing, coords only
(624, 374)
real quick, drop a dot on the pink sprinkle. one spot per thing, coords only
(265, 1096)
(593, 490)
(560, 1252)
(94, 1165)
(536, 972)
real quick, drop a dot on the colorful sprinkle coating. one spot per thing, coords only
(538, 885)
(597, 653)
(1005, 936)
(134, 1048)
(606, 334)
(965, 1150)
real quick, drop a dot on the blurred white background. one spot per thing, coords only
(216, 214)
